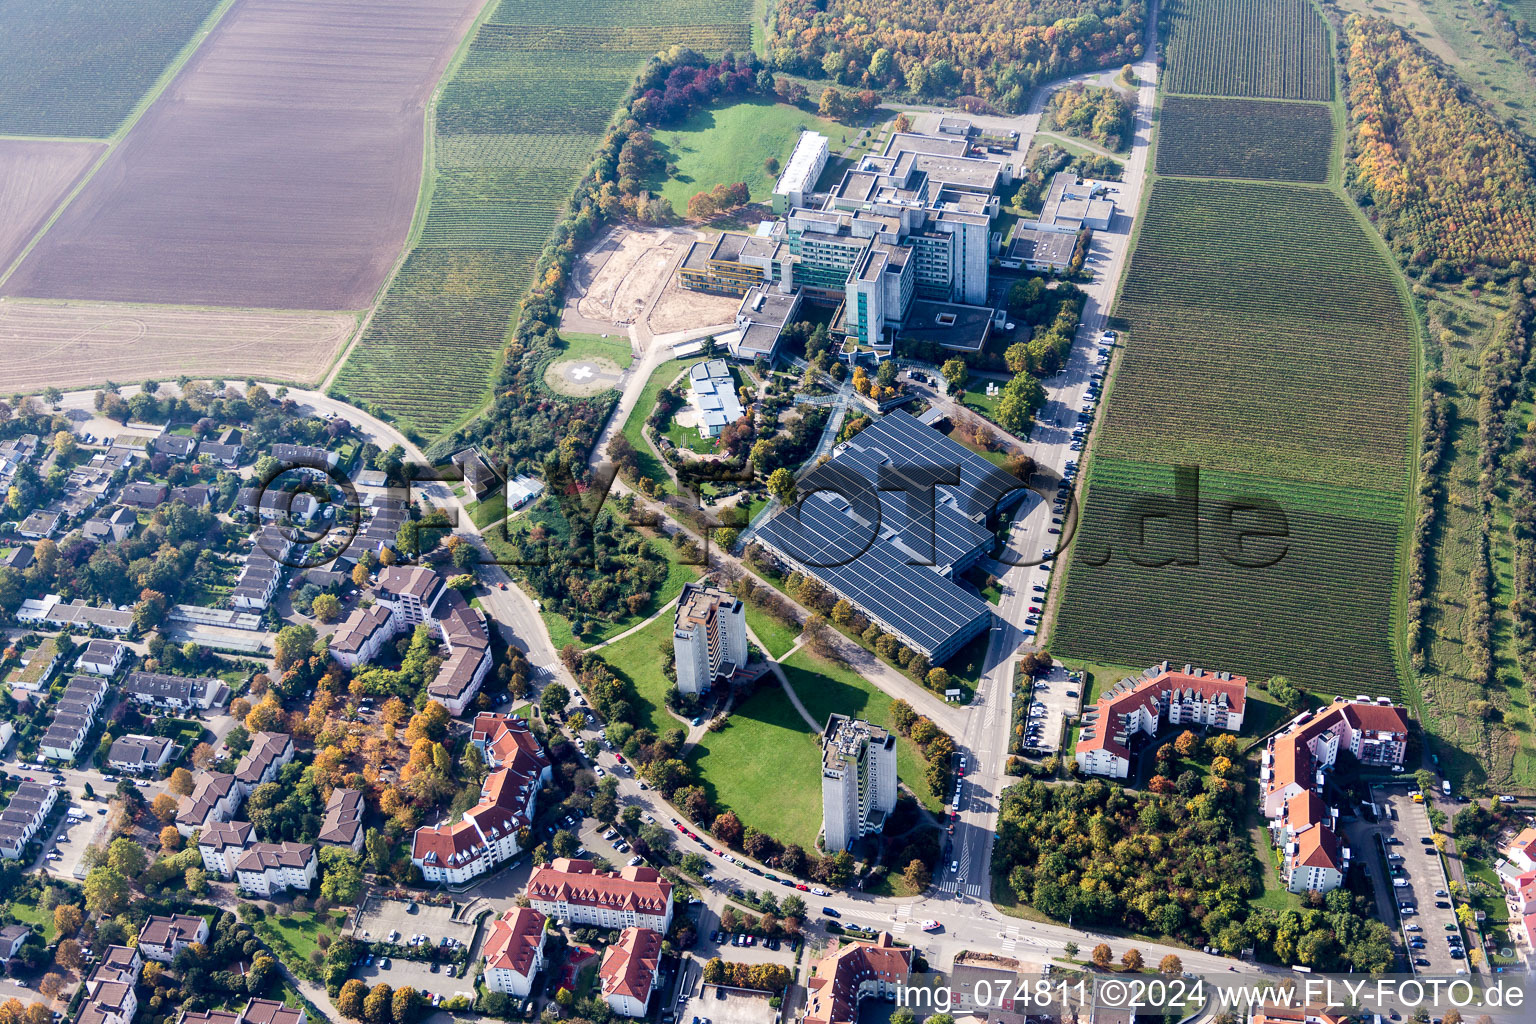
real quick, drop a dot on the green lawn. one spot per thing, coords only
(638, 658)
(766, 766)
(729, 144)
(590, 346)
(824, 688)
(31, 914)
(775, 635)
(298, 934)
(650, 466)
(491, 510)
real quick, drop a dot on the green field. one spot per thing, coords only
(1208, 137)
(664, 375)
(596, 346)
(677, 574)
(293, 936)
(516, 124)
(638, 658)
(1271, 48)
(826, 688)
(78, 67)
(730, 144)
(766, 766)
(775, 635)
(1283, 347)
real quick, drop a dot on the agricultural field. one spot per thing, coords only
(80, 344)
(264, 184)
(1277, 49)
(78, 67)
(1207, 137)
(730, 144)
(1292, 341)
(1290, 335)
(515, 125)
(34, 176)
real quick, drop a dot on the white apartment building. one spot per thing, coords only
(221, 844)
(629, 971)
(709, 636)
(574, 891)
(858, 780)
(514, 951)
(1141, 705)
(162, 938)
(267, 868)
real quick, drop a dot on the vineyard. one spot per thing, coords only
(1265, 331)
(1238, 138)
(1269, 48)
(78, 67)
(1450, 182)
(1259, 620)
(516, 124)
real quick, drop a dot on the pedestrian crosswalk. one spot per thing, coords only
(903, 918)
(1010, 939)
(973, 890)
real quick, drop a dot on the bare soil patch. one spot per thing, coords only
(279, 171)
(679, 309)
(616, 278)
(34, 175)
(75, 345)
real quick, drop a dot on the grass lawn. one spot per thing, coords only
(824, 688)
(590, 346)
(32, 914)
(491, 510)
(666, 373)
(298, 934)
(690, 439)
(766, 766)
(777, 637)
(638, 658)
(730, 144)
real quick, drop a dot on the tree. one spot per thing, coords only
(917, 876)
(781, 484)
(1070, 949)
(350, 1001)
(70, 954)
(554, 699)
(1100, 955)
(343, 881)
(202, 756)
(106, 890)
(1186, 744)
(326, 608)
(405, 1007)
(51, 985)
(67, 919)
(196, 881)
(292, 645)
(170, 838)
(728, 829)
(127, 857)
(164, 808)
(181, 782)
(955, 373)
(377, 1005)
(1131, 960)
(1170, 965)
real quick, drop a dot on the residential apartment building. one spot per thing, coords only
(162, 938)
(1293, 772)
(101, 657)
(629, 971)
(514, 951)
(139, 754)
(361, 635)
(267, 868)
(215, 797)
(221, 845)
(493, 830)
(575, 891)
(858, 780)
(268, 753)
(1143, 705)
(173, 693)
(343, 824)
(845, 977)
(709, 636)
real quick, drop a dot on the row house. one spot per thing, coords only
(102, 657)
(575, 891)
(24, 817)
(1192, 697)
(172, 693)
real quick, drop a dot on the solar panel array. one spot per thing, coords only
(880, 549)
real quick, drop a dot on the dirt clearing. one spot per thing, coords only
(615, 279)
(34, 176)
(278, 171)
(679, 309)
(75, 345)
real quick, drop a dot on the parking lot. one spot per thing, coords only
(378, 918)
(71, 841)
(416, 974)
(1424, 906)
(1052, 700)
(722, 1006)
